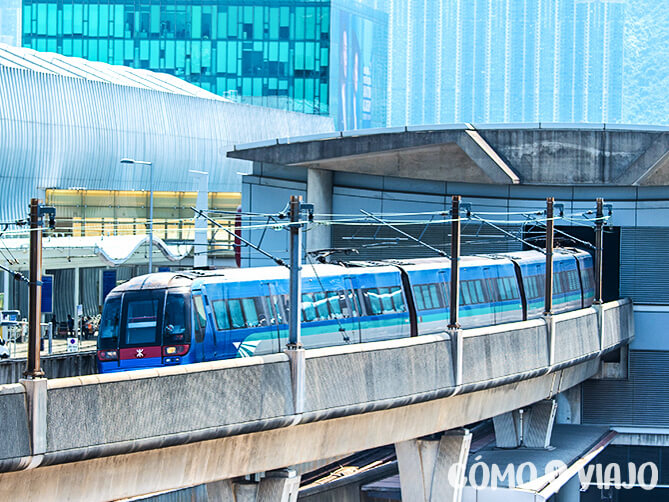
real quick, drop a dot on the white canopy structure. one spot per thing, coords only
(102, 251)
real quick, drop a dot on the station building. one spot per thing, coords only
(66, 125)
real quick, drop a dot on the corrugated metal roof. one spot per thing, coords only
(57, 64)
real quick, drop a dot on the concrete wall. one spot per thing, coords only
(107, 414)
(528, 342)
(97, 409)
(567, 156)
(15, 441)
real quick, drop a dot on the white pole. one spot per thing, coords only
(76, 302)
(202, 204)
(151, 221)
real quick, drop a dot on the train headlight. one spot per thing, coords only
(175, 350)
(107, 355)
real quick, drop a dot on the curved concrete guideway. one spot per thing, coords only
(152, 430)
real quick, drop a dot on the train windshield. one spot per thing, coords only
(145, 318)
(110, 324)
(176, 319)
(141, 320)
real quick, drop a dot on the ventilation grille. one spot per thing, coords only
(644, 273)
(642, 400)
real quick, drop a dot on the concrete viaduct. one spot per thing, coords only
(105, 437)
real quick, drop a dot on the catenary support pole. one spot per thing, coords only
(550, 224)
(599, 250)
(295, 272)
(33, 369)
(294, 349)
(455, 263)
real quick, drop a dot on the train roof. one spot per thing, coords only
(162, 280)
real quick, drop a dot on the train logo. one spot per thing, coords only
(139, 354)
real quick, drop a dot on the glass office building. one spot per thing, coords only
(506, 61)
(275, 53)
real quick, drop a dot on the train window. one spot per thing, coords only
(418, 295)
(398, 299)
(373, 301)
(321, 304)
(574, 283)
(386, 300)
(354, 301)
(588, 278)
(531, 287)
(557, 283)
(503, 292)
(142, 321)
(508, 288)
(236, 315)
(220, 314)
(176, 315)
(276, 310)
(465, 296)
(427, 297)
(536, 286)
(476, 294)
(494, 290)
(251, 313)
(336, 300)
(308, 308)
(200, 318)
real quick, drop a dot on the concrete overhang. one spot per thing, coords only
(560, 154)
(440, 153)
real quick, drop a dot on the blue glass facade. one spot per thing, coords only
(266, 52)
(506, 61)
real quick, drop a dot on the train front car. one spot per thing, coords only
(146, 323)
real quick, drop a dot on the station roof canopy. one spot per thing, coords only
(49, 62)
(101, 251)
(564, 154)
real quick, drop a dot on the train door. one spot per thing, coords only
(444, 279)
(355, 309)
(206, 334)
(490, 285)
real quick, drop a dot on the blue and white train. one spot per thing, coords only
(175, 318)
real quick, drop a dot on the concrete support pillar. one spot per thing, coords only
(281, 485)
(431, 469)
(539, 424)
(319, 193)
(508, 432)
(530, 427)
(569, 406)
(5, 289)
